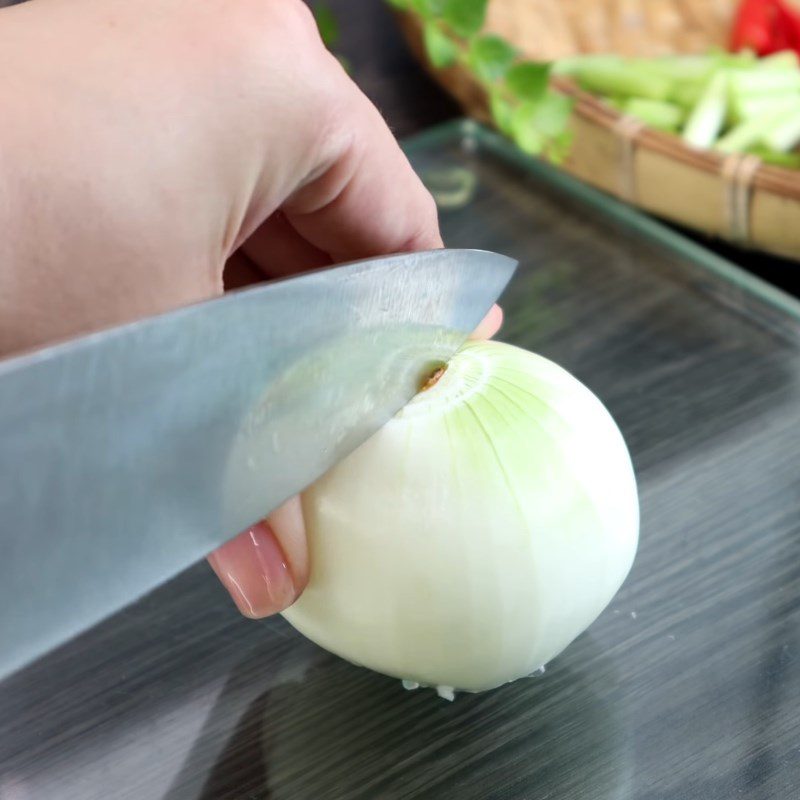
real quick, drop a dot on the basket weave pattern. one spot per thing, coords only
(549, 30)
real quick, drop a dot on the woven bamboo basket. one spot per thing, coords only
(734, 197)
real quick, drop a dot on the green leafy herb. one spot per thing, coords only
(490, 57)
(502, 111)
(540, 126)
(327, 24)
(528, 80)
(441, 49)
(559, 147)
(552, 113)
(521, 103)
(524, 130)
(464, 17)
(328, 27)
(428, 8)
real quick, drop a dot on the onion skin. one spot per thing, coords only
(478, 533)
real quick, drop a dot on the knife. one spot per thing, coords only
(129, 454)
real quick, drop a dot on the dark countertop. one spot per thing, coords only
(411, 101)
(687, 686)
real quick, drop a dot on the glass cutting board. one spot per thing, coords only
(688, 686)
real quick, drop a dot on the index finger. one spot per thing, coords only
(368, 201)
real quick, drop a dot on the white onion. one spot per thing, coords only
(476, 534)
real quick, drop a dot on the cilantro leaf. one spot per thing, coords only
(427, 8)
(528, 80)
(464, 17)
(441, 49)
(537, 125)
(501, 110)
(490, 57)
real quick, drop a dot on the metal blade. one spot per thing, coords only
(130, 454)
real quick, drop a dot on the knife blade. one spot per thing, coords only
(129, 454)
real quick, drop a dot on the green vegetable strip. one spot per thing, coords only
(687, 94)
(655, 113)
(572, 65)
(785, 132)
(746, 134)
(745, 59)
(618, 102)
(735, 102)
(707, 117)
(747, 106)
(790, 160)
(758, 98)
(786, 59)
(614, 78)
(678, 68)
(764, 81)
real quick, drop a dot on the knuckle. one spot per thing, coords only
(255, 32)
(430, 211)
(425, 226)
(294, 15)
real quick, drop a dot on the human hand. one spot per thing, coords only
(159, 151)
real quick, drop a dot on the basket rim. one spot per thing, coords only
(587, 104)
(781, 181)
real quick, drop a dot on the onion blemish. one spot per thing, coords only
(433, 378)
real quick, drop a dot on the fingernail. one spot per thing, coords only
(254, 569)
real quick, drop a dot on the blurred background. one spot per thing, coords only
(367, 36)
